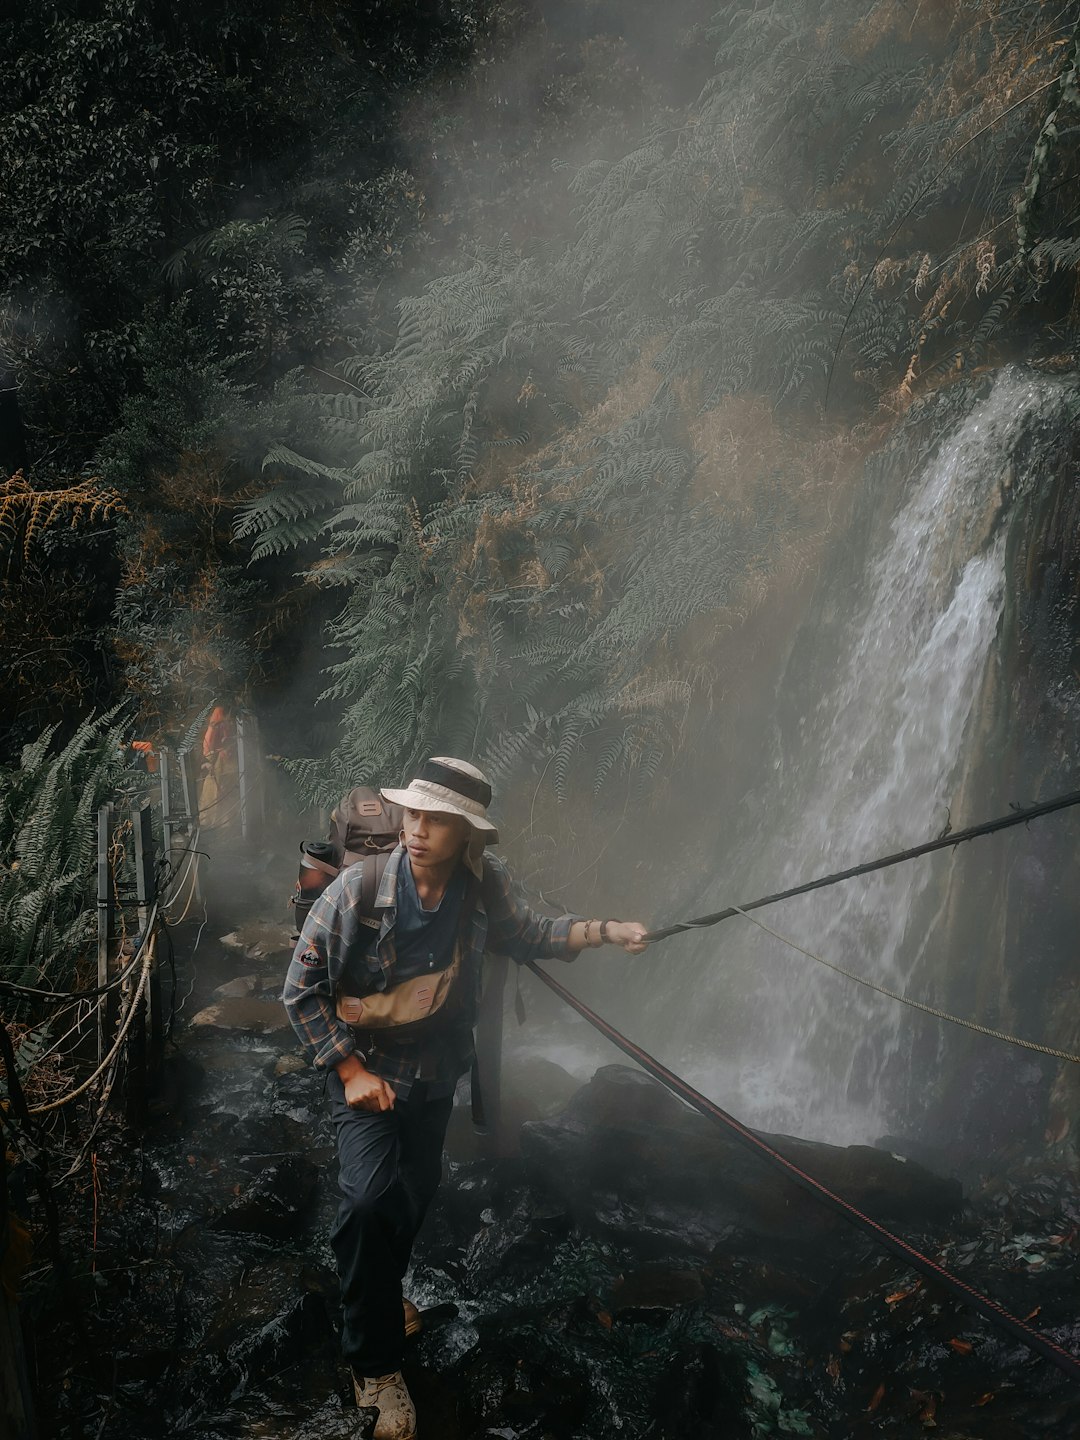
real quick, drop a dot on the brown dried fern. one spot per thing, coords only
(22, 508)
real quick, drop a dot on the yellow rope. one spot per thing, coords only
(191, 871)
(906, 999)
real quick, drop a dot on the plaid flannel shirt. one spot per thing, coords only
(501, 921)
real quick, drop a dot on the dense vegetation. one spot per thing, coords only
(309, 333)
(487, 368)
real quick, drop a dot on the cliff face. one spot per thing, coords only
(1005, 948)
(929, 683)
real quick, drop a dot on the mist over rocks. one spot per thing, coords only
(246, 1013)
(628, 1159)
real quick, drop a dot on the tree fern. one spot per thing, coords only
(531, 593)
(48, 809)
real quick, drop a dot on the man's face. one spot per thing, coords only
(434, 838)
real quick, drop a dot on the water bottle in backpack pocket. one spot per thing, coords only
(362, 824)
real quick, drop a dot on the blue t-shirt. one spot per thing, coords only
(424, 939)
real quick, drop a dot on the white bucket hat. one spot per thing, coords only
(452, 787)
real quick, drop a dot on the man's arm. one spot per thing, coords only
(331, 929)
(516, 930)
(629, 935)
(317, 965)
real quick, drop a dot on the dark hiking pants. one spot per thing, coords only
(389, 1167)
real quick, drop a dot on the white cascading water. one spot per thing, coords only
(803, 1049)
(767, 1033)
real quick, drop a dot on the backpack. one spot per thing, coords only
(363, 825)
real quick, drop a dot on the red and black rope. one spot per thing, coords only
(1067, 1363)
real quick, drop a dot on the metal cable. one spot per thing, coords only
(907, 1000)
(1019, 816)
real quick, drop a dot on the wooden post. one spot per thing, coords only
(104, 924)
(489, 1045)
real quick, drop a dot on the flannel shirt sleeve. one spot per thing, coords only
(317, 965)
(514, 928)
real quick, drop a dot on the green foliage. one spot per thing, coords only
(1067, 99)
(531, 549)
(48, 805)
(184, 191)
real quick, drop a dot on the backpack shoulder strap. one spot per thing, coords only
(372, 870)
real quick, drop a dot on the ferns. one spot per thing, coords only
(47, 835)
(515, 496)
(27, 513)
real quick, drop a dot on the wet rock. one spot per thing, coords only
(298, 1095)
(275, 1202)
(652, 1292)
(535, 1088)
(932, 1157)
(247, 1016)
(290, 1065)
(260, 940)
(263, 1136)
(517, 1392)
(501, 1250)
(703, 1396)
(277, 1313)
(237, 988)
(628, 1158)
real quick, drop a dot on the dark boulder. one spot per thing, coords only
(652, 1292)
(629, 1159)
(279, 1311)
(275, 1202)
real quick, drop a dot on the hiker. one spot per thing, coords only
(408, 977)
(219, 786)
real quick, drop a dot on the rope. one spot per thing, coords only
(907, 1000)
(190, 872)
(70, 1095)
(1067, 1363)
(943, 842)
(54, 996)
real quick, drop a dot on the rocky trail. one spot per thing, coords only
(629, 1272)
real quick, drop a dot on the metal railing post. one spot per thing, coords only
(104, 924)
(189, 786)
(143, 1048)
(242, 776)
(165, 773)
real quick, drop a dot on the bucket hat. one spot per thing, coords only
(452, 787)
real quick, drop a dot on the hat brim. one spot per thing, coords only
(415, 799)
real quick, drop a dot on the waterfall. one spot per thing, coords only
(781, 1040)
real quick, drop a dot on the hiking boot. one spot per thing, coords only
(413, 1322)
(389, 1396)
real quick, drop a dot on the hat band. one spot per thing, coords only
(468, 786)
(425, 794)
